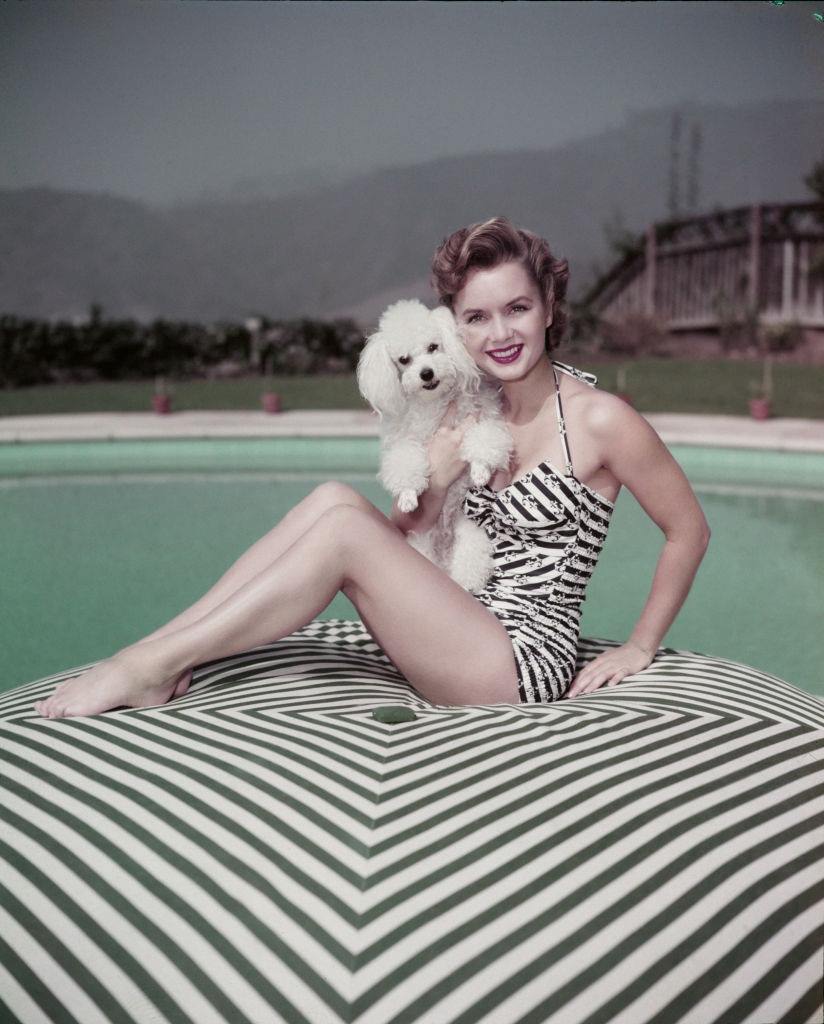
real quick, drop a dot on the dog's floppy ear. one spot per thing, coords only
(468, 374)
(378, 380)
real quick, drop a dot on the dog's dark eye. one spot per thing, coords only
(433, 347)
(403, 360)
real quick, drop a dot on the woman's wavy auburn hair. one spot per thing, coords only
(497, 241)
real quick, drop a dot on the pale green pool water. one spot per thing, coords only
(102, 542)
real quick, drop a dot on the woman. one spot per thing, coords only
(506, 291)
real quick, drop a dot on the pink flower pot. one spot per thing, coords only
(760, 408)
(162, 404)
(271, 402)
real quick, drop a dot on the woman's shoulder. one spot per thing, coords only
(615, 427)
(600, 413)
(604, 413)
(589, 399)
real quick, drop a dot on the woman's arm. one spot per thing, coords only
(425, 516)
(446, 465)
(638, 457)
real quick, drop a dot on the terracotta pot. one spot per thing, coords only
(162, 404)
(625, 396)
(271, 401)
(760, 408)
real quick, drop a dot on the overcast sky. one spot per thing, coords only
(173, 99)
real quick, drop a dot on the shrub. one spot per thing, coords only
(38, 352)
(783, 337)
(633, 334)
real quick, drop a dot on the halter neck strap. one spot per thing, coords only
(573, 371)
(588, 378)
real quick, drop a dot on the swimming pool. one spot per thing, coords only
(101, 542)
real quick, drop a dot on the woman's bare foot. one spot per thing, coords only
(131, 678)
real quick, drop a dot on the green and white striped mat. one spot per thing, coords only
(262, 849)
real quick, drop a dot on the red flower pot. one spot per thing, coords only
(162, 404)
(271, 401)
(760, 408)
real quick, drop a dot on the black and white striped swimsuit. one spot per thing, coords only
(548, 530)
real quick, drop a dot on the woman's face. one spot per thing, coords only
(500, 308)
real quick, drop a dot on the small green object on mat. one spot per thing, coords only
(394, 713)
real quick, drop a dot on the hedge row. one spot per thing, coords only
(40, 352)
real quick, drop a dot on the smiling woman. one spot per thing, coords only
(506, 291)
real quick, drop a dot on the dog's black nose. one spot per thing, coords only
(427, 374)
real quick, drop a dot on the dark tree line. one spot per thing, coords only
(40, 352)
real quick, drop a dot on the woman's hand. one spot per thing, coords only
(445, 461)
(610, 668)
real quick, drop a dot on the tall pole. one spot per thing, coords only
(693, 184)
(674, 199)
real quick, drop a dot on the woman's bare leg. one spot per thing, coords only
(445, 641)
(269, 548)
(262, 554)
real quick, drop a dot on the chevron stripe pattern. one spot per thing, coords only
(263, 849)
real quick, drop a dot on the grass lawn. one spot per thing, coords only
(656, 385)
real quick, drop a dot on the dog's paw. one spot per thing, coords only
(407, 501)
(480, 473)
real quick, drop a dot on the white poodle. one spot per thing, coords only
(409, 371)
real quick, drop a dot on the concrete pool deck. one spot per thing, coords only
(781, 434)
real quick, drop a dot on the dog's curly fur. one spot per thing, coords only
(409, 371)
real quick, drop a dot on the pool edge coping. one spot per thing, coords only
(781, 434)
